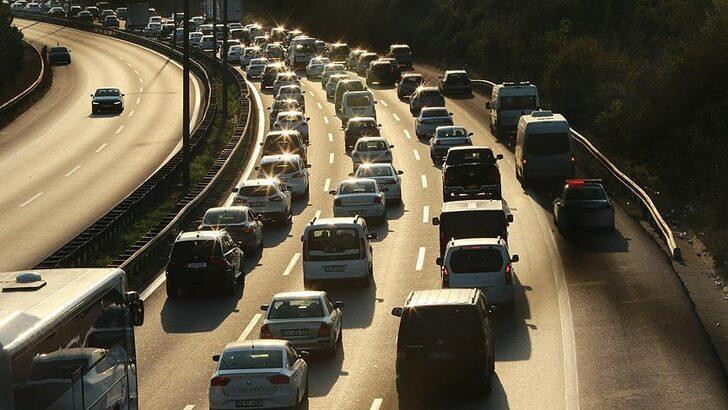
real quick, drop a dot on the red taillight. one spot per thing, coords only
(265, 332)
(216, 261)
(279, 379)
(324, 330)
(219, 381)
(509, 274)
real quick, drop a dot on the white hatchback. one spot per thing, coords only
(290, 169)
(360, 196)
(269, 198)
(482, 263)
(260, 374)
(386, 177)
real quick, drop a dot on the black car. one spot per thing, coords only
(408, 84)
(362, 64)
(57, 12)
(470, 155)
(95, 12)
(583, 204)
(202, 258)
(358, 127)
(282, 106)
(239, 221)
(455, 82)
(85, 17)
(445, 338)
(284, 142)
(107, 100)
(471, 181)
(59, 55)
(475, 218)
(73, 11)
(382, 73)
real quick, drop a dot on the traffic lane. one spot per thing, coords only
(86, 163)
(643, 316)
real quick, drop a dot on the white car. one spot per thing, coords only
(33, 8)
(315, 67)
(292, 120)
(386, 177)
(195, 38)
(482, 263)
(235, 52)
(291, 92)
(290, 169)
(155, 19)
(357, 104)
(310, 320)
(371, 150)
(360, 196)
(329, 70)
(269, 198)
(18, 6)
(249, 53)
(259, 374)
(429, 119)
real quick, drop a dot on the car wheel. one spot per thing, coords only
(172, 291)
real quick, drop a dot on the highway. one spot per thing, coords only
(63, 168)
(600, 322)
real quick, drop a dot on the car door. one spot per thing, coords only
(334, 313)
(296, 369)
(286, 195)
(257, 227)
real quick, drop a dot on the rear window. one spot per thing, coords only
(358, 100)
(435, 113)
(59, 50)
(548, 144)
(333, 240)
(371, 146)
(472, 224)
(429, 94)
(296, 308)
(257, 191)
(452, 132)
(362, 124)
(223, 218)
(277, 168)
(475, 260)
(203, 248)
(357, 187)
(412, 80)
(455, 325)
(470, 156)
(366, 172)
(585, 193)
(251, 359)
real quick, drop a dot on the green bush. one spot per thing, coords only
(11, 46)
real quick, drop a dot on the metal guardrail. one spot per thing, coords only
(13, 102)
(638, 192)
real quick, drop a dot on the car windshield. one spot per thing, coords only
(548, 143)
(107, 92)
(277, 168)
(296, 308)
(289, 89)
(585, 193)
(374, 171)
(358, 101)
(257, 191)
(518, 102)
(251, 359)
(374, 145)
(475, 260)
(357, 187)
(290, 119)
(451, 132)
(223, 217)
(333, 240)
(434, 113)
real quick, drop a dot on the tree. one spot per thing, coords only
(11, 45)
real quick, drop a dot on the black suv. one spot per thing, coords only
(471, 181)
(200, 258)
(444, 338)
(382, 73)
(358, 127)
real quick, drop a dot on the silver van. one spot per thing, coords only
(543, 148)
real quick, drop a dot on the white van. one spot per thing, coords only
(543, 148)
(337, 249)
(482, 263)
(357, 104)
(508, 102)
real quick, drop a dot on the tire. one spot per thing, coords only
(172, 291)
(397, 202)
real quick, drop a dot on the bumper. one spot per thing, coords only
(370, 211)
(281, 398)
(458, 89)
(107, 108)
(586, 219)
(323, 343)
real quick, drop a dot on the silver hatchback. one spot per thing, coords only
(310, 320)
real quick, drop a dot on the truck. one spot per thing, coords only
(234, 7)
(138, 16)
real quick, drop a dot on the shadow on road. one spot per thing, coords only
(459, 397)
(324, 372)
(198, 310)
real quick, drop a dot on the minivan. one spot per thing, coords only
(543, 148)
(337, 249)
(474, 218)
(445, 338)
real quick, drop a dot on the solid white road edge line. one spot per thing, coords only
(250, 327)
(291, 264)
(420, 258)
(424, 181)
(71, 172)
(36, 196)
(376, 404)
(425, 214)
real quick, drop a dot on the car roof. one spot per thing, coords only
(195, 235)
(474, 205)
(299, 294)
(349, 222)
(442, 297)
(376, 165)
(279, 158)
(412, 75)
(362, 119)
(428, 109)
(223, 209)
(256, 344)
(289, 113)
(476, 241)
(355, 93)
(357, 180)
(367, 139)
(428, 88)
(470, 148)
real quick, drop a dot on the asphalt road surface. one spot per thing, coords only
(600, 321)
(63, 168)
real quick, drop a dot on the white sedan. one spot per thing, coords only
(259, 374)
(386, 177)
(360, 196)
(292, 120)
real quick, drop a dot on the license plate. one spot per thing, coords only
(248, 403)
(256, 204)
(197, 265)
(335, 268)
(294, 332)
(441, 355)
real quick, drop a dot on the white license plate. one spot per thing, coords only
(294, 332)
(248, 403)
(335, 268)
(197, 265)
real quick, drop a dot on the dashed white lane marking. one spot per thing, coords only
(327, 184)
(129, 64)
(396, 117)
(377, 403)
(189, 407)
(424, 181)
(420, 258)
(291, 264)
(407, 134)
(317, 214)
(73, 171)
(331, 137)
(311, 94)
(250, 327)
(425, 214)
(331, 158)
(141, 89)
(121, 58)
(384, 103)
(101, 147)
(326, 119)
(118, 130)
(141, 80)
(131, 113)
(36, 196)
(320, 107)
(417, 154)
(139, 99)
(136, 71)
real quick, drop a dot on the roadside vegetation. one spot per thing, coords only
(646, 80)
(13, 54)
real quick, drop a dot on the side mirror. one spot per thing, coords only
(303, 92)
(436, 221)
(499, 156)
(216, 358)
(509, 218)
(264, 308)
(289, 188)
(449, 113)
(400, 172)
(375, 102)
(257, 168)
(91, 95)
(123, 95)
(470, 134)
(515, 258)
(391, 146)
(338, 304)
(372, 235)
(439, 76)
(438, 260)
(136, 306)
(332, 192)
(235, 190)
(351, 174)
(308, 118)
(259, 216)
(342, 128)
(397, 311)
